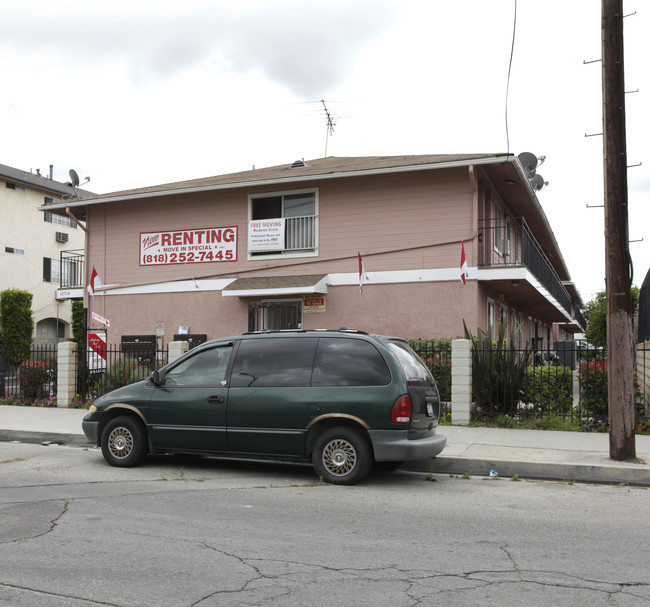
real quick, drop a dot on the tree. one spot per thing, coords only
(17, 324)
(595, 313)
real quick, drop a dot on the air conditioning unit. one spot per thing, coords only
(61, 237)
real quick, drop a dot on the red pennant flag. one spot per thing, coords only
(463, 263)
(95, 283)
(363, 277)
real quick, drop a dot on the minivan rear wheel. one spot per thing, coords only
(342, 456)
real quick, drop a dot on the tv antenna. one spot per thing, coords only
(330, 125)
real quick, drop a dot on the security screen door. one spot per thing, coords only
(274, 315)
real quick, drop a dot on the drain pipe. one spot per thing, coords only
(68, 212)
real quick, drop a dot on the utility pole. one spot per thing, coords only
(620, 337)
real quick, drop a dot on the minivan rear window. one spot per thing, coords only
(349, 362)
(273, 362)
(411, 363)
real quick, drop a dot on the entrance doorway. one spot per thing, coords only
(274, 315)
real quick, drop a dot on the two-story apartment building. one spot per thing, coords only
(278, 248)
(32, 243)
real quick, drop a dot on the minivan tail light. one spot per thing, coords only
(401, 413)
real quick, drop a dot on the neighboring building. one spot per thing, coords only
(277, 248)
(32, 245)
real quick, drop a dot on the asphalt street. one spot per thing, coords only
(75, 532)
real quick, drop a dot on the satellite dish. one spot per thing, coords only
(529, 162)
(74, 178)
(537, 182)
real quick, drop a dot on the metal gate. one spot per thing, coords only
(274, 315)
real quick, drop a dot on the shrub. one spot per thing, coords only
(34, 377)
(498, 373)
(549, 389)
(593, 387)
(17, 324)
(123, 372)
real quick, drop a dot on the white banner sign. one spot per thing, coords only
(97, 351)
(101, 319)
(266, 235)
(206, 245)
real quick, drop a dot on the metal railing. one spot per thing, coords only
(509, 242)
(300, 233)
(72, 269)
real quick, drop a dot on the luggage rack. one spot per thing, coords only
(274, 331)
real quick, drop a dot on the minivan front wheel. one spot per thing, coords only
(123, 442)
(342, 456)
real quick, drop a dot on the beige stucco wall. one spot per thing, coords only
(23, 227)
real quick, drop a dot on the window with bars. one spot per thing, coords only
(298, 212)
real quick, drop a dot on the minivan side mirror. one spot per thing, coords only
(155, 378)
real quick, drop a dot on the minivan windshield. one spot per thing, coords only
(411, 363)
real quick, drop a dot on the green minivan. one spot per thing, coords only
(343, 399)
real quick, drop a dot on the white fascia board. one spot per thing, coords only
(400, 276)
(523, 274)
(178, 286)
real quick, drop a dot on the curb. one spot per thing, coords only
(23, 436)
(583, 473)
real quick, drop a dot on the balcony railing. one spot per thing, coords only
(72, 269)
(509, 242)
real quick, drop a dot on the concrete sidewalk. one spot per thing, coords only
(571, 456)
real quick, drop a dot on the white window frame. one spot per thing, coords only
(59, 220)
(285, 254)
(502, 230)
(491, 318)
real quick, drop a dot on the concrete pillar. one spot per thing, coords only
(176, 349)
(66, 388)
(461, 381)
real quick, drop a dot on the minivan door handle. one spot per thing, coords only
(216, 400)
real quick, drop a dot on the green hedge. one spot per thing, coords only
(548, 388)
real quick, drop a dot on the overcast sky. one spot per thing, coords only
(141, 92)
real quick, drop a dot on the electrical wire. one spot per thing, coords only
(512, 49)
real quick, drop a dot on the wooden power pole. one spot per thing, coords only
(620, 337)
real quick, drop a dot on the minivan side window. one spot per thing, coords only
(205, 368)
(411, 363)
(273, 362)
(349, 362)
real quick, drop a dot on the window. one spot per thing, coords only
(58, 220)
(350, 362)
(414, 369)
(490, 319)
(206, 368)
(15, 186)
(501, 231)
(14, 251)
(271, 362)
(298, 212)
(60, 272)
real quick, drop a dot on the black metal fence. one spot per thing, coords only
(527, 384)
(29, 375)
(100, 371)
(508, 381)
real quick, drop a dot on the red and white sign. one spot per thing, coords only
(266, 235)
(101, 319)
(97, 351)
(205, 245)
